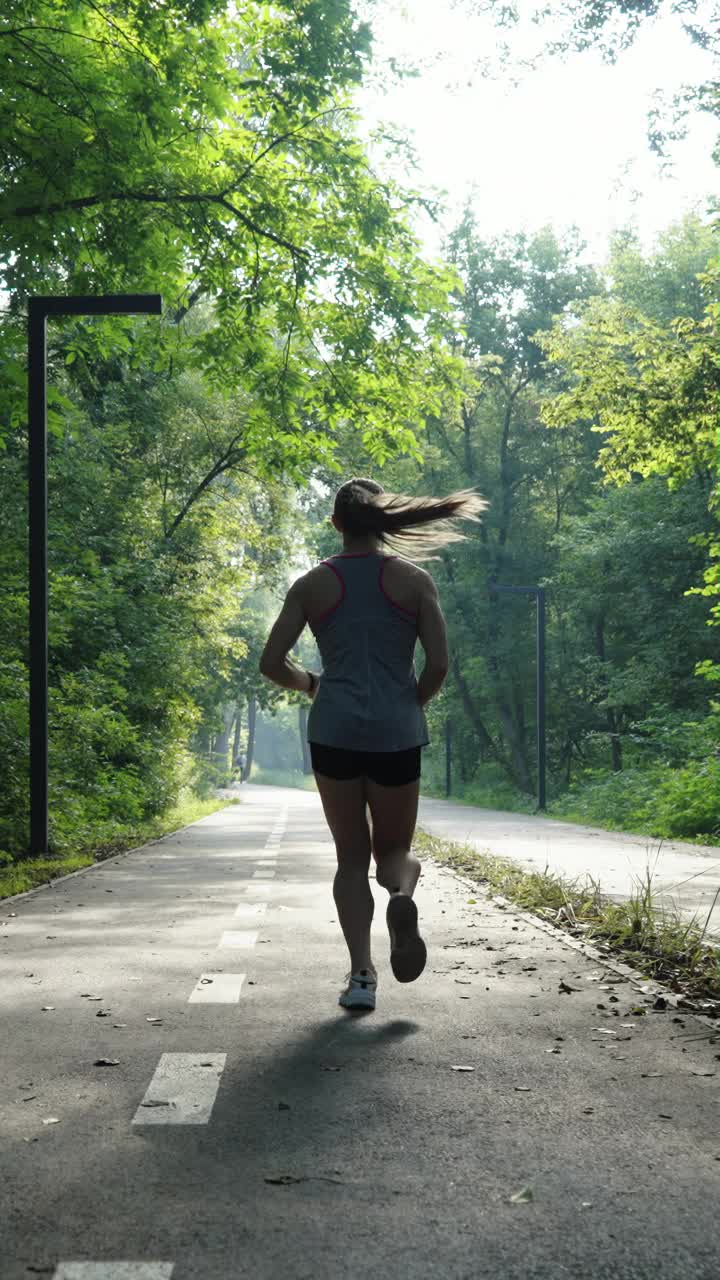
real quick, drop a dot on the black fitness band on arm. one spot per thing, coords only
(313, 682)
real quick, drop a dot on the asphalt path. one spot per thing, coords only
(483, 1121)
(685, 877)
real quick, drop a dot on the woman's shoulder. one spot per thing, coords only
(404, 582)
(320, 589)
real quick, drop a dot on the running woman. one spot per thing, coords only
(366, 609)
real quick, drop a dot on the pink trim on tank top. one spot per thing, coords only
(412, 613)
(326, 613)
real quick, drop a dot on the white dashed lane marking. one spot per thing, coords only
(114, 1271)
(238, 938)
(182, 1091)
(217, 988)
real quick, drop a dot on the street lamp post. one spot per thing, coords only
(39, 308)
(539, 593)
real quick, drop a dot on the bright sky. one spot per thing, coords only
(567, 145)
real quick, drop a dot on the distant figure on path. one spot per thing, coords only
(366, 727)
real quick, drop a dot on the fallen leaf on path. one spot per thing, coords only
(119, 1024)
(103, 1013)
(106, 1062)
(155, 1021)
(462, 1068)
(564, 988)
(157, 1102)
(51, 1120)
(604, 1031)
(524, 1196)
(663, 1115)
(650, 1075)
(284, 1179)
(48, 1008)
(523, 1088)
(702, 1073)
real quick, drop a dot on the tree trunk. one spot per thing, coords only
(304, 744)
(252, 717)
(238, 730)
(567, 757)
(222, 742)
(615, 742)
(521, 769)
(612, 723)
(487, 746)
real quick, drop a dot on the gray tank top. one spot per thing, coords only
(367, 697)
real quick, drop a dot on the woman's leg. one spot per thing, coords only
(394, 814)
(344, 807)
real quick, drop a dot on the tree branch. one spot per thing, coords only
(123, 34)
(227, 460)
(283, 138)
(146, 197)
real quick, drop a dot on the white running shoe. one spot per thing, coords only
(360, 990)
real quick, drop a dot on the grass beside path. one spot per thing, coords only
(20, 875)
(654, 940)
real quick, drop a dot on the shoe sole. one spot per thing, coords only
(359, 1001)
(407, 949)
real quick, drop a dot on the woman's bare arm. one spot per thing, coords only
(432, 633)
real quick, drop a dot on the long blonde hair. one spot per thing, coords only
(401, 522)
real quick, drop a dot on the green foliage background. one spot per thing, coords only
(306, 336)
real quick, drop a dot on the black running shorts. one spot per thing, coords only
(389, 768)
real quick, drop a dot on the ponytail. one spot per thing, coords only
(400, 522)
